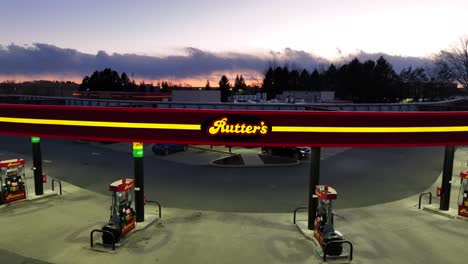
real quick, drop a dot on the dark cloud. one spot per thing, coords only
(398, 62)
(45, 59)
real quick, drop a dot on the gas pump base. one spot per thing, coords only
(347, 252)
(46, 194)
(32, 197)
(107, 247)
(451, 213)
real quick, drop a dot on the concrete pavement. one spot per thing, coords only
(56, 230)
(12, 258)
(460, 164)
(399, 232)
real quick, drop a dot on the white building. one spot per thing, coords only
(249, 97)
(306, 97)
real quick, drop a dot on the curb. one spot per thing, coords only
(297, 162)
(253, 166)
(214, 150)
(451, 213)
(47, 194)
(309, 235)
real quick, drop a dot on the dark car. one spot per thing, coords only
(165, 149)
(292, 152)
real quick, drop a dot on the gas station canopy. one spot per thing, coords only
(237, 127)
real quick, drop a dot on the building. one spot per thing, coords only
(249, 97)
(196, 95)
(306, 97)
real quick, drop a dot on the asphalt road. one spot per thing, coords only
(362, 176)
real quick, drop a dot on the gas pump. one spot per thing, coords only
(463, 196)
(122, 218)
(13, 180)
(324, 231)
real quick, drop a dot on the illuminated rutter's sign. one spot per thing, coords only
(463, 211)
(11, 164)
(15, 196)
(236, 125)
(129, 226)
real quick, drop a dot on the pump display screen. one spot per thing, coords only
(14, 184)
(123, 197)
(12, 173)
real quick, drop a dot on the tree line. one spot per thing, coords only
(374, 81)
(358, 81)
(362, 82)
(111, 80)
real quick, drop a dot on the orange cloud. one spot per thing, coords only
(250, 77)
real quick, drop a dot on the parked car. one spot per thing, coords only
(165, 149)
(292, 152)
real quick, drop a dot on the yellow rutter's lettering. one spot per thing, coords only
(128, 226)
(255, 128)
(263, 129)
(14, 196)
(221, 126)
(217, 125)
(237, 129)
(243, 129)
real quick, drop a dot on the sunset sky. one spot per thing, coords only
(199, 40)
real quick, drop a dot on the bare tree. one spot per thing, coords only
(455, 61)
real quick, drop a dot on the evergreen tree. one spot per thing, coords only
(142, 87)
(126, 84)
(368, 91)
(280, 80)
(242, 82)
(267, 85)
(107, 80)
(239, 85)
(293, 80)
(207, 85)
(165, 87)
(224, 87)
(315, 81)
(385, 78)
(330, 78)
(304, 82)
(353, 78)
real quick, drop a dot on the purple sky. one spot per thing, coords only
(166, 36)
